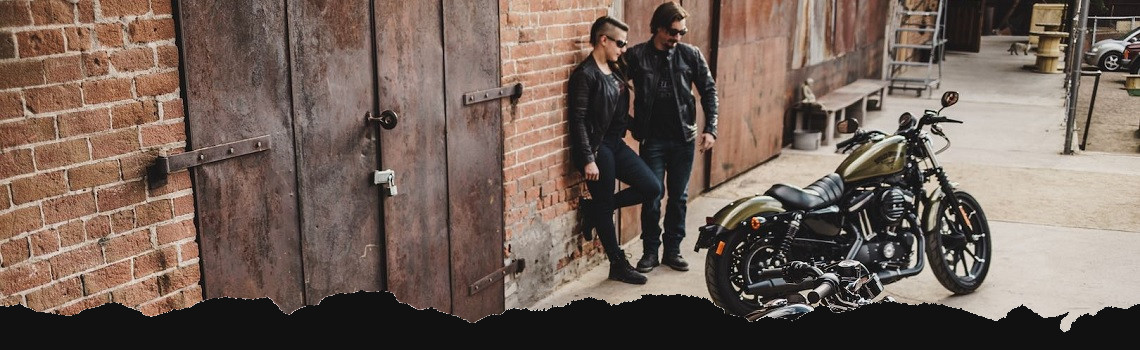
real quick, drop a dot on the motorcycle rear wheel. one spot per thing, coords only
(949, 248)
(727, 275)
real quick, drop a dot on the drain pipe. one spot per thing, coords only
(1074, 53)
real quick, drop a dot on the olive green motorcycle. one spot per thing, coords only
(875, 209)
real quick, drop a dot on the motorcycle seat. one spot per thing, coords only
(821, 193)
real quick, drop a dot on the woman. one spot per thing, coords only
(598, 105)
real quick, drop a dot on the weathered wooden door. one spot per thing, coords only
(305, 219)
(964, 25)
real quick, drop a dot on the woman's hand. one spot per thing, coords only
(591, 172)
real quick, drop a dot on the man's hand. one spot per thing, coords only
(707, 141)
(592, 173)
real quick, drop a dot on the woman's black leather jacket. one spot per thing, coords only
(593, 102)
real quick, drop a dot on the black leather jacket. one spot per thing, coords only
(688, 67)
(593, 103)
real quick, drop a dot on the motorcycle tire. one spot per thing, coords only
(947, 246)
(727, 274)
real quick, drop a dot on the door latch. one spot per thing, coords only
(386, 178)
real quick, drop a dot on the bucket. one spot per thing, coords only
(806, 140)
(1132, 84)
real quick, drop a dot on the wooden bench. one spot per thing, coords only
(835, 103)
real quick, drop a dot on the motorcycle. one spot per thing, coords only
(873, 209)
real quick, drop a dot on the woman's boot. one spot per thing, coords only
(621, 270)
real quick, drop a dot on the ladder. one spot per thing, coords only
(909, 73)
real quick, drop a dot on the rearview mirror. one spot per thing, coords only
(847, 126)
(949, 98)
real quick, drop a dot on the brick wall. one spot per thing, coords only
(542, 42)
(89, 96)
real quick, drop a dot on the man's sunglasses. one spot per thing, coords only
(620, 43)
(673, 32)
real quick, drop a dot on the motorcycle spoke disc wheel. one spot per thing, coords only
(748, 260)
(963, 247)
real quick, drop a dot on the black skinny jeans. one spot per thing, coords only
(616, 160)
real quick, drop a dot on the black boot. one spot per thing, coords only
(585, 206)
(621, 270)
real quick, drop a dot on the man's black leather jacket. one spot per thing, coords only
(593, 102)
(687, 67)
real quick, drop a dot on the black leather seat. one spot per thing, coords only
(821, 193)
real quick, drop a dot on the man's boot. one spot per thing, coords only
(648, 262)
(621, 270)
(675, 261)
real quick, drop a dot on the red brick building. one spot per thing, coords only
(93, 93)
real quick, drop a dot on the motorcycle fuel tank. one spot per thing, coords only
(885, 157)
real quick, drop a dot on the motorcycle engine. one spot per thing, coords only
(881, 212)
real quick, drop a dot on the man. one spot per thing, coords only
(663, 71)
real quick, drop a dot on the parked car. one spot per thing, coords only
(1107, 54)
(1132, 56)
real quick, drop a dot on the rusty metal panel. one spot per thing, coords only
(409, 64)
(871, 25)
(846, 19)
(638, 14)
(751, 79)
(237, 87)
(336, 149)
(474, 155)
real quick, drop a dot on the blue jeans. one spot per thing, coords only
(672, 162)
(615, 160)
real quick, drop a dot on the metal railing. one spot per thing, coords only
(1111, 25)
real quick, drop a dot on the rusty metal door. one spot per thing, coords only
(332, 84)
(237, 87)
(306, 219)
(964, 25)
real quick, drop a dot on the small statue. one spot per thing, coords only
(808, 95)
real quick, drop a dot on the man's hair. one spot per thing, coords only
(665, 15)
(605, 25)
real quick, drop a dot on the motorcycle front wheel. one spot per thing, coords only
(728, 275)
(959, 248)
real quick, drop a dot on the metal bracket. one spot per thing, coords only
(165, 165)
(386, 178)
(514, 267)
(514, 91)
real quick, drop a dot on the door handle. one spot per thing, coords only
(387, 118)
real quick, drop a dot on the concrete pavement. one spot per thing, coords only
(1064, 226)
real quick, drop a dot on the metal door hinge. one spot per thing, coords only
(165, 165)
(514, 267)
(514, 91)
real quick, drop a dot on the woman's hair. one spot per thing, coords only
(605, 25)
(665, 15)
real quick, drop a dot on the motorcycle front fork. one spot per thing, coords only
(955, 206)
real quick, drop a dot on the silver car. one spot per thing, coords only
(1106, 54)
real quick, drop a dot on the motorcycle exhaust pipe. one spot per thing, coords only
(778, 286)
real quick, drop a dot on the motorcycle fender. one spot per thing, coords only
(732, 215)
(933, 206)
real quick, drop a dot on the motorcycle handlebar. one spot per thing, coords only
(829, 282)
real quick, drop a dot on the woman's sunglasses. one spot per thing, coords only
(673, 32)
(620, 43)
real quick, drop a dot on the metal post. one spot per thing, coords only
(1092, 103)
(1073, 54)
